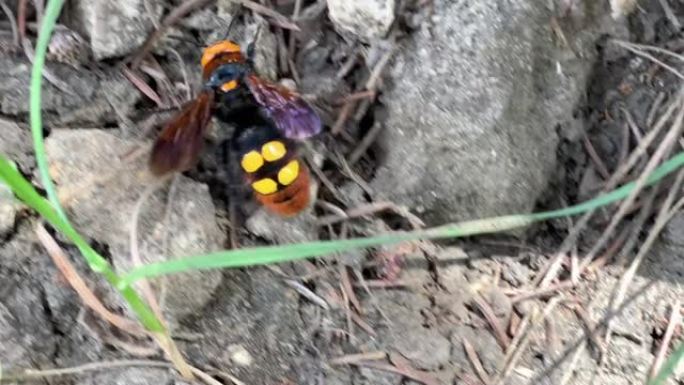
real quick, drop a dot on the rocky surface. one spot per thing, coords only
(116, 28)
(8, 209)
(364, 19)
(472, 110)
(101, 193)
(251, 329)
(668, 260)
(16, 144)
(282, 230)
(475, 90)
(85, 97)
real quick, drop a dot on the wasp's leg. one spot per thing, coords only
(237, 191)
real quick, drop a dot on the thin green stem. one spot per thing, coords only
(51, 209)
(35, 100)
(669, 366)
(274, 254)
(24, 191)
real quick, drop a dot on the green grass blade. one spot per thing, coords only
(659, 173)
(277, 254)
(669, 367)
(52, 210)
(35, 116)
(26, 193)
(285, 253)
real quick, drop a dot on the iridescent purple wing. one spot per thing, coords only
(292, 115)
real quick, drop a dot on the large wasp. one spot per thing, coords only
(269, 122)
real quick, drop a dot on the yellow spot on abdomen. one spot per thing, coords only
(289, 173)
(265, 186)
(252, 161)
(229, 86)
(273, 150)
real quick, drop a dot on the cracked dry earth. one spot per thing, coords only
(435, 111)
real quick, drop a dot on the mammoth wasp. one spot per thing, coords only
(269, 122)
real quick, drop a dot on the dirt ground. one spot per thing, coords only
(483, 310)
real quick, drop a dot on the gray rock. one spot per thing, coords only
(364, 19)
(34, 288)
(458, 293)
(326, 86)
(647, 304)
(300, 228)
(13, 351)
(255, 311)
(225, 9)
(203, 20)
(132, 376)
(500, 303)
(26, 329)
(425, 348)
(90, 103)
(265, 50)
(116, 28)
(100, 194)
(665, 262)
(8, 209)
(16, 144)
(367, 376)
(628, 360)
(516, 273)
(21, 250)
(475, 99)
(674, 231)
(67, 46)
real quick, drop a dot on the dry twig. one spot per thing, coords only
(666, 145)
(47, 73)
(275, 17)
(13, 22)
(667, 211)
(78, 284)
(350, 359)
(488, 313)
(475, 361)
(21, 19)
(365, 143)
(515, 352)
(640, 51)
(307, 293)
(551, 271)
(28, 374)
(671, 17)
(675, 319)
(143, 87)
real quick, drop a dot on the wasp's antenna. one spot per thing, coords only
(232, 23)
(252, 45)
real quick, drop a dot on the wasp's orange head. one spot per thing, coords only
(224, 47)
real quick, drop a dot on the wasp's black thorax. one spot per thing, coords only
(236, 106)
(239, 108)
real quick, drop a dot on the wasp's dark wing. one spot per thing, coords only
(180, 142)
(293, 116)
